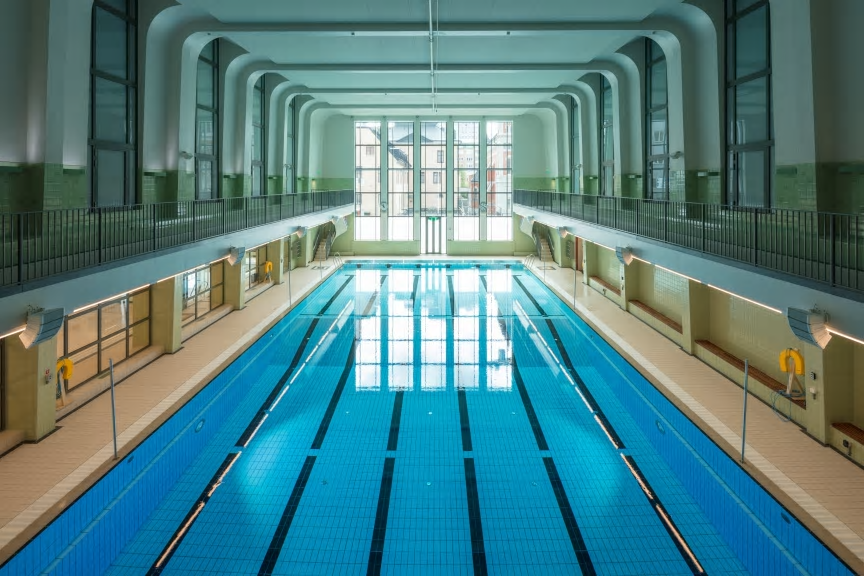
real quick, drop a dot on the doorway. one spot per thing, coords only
(433, 235)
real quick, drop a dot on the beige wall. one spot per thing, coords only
(751, 332)
(607, 266)
(661, 290)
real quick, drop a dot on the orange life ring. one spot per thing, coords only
(797, 360)
(65, 367)
(268, 267)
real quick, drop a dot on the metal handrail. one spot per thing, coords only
(549, 241)
(821, 246)
(39, 245)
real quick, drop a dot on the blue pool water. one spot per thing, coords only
(427, 419)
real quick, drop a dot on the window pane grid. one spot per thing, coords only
(466, 181)
(367, 180)
(499, 180)
(400, 159)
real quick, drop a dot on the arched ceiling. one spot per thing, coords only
(375, 54)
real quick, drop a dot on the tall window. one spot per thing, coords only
(656, 118)
(113, 103)
(259, 152)
(575, 148)
(290, 156)
(207, 123)
(202, 291)
(400, 169)
(253, 267)
(607, 139)
(750, 132)
(367, 180)
(466, 181)
(499, 180)
(112, 330)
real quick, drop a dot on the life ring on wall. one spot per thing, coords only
(65, 367)
(268, 267)
(797, 360)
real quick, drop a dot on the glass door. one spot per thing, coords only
(433, 235)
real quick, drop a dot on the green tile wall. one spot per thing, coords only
(631, 186)
(333, 183)
(532, 183)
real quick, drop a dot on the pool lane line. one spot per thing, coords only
(576, 539)
(452, 295)
(275, 548)
(336, 295)
(414, 291)
(599, 416)
(530, 296)
(334, 400)
(395, 420)
(463, 421)
(192, 515)
(379, 532)
(665, 519)
(475, 522)
(374, 297)
(529, 408)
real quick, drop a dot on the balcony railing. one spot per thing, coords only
(820, 246)
(37, 245)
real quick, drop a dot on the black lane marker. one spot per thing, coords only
(478, 551)
(374, 297)
(463, 420)
(665, 518)
(576, 540)
(530, 296)
(376, 554)
(393, 440)
(529, 408)
(336, 295)
(414, 292)
(262, 411)
(331, 408)
(452, 296)
(598, 412)
(278, 540)
(193, 513)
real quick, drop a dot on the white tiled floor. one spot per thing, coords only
(825, 490)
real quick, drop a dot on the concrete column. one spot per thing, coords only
(696, 315)
(589, 253)
(276, 255)
(31, 387)
(166, 302)
(235, 288)
(629, 283)
(816, 422)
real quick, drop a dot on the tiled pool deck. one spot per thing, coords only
(822, 488)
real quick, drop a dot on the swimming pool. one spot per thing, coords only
(440, 418)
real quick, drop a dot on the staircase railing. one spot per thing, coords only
(549, 241)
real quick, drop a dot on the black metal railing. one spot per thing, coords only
(37, 245)
(820, 246)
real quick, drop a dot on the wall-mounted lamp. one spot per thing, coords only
(624, 254)
(236, 254)
(578, 166)
(313, 184)
(185, 155)
(677, 155)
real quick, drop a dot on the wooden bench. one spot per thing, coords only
(658, 316)
(606, 285)
(850, 430)
(755, 373)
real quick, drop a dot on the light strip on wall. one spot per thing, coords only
(13, 332)
(830, 330)
(678, 274)
(746, 299)
(116, 296)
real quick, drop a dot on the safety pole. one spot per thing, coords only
(113, 406)
(290, 265)
(744, 417)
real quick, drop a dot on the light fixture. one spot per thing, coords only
(42, 325)
(236, 254)
(185, 155)
(677, 155)
(624, 254)
(809, 326)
